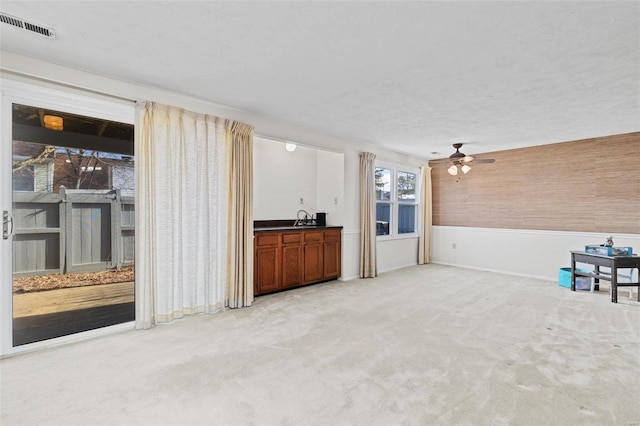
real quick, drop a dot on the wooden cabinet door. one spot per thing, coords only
(292, 264)
(292, 258)
(331, 259)
(313, 254)
(266, 263)
(332, 255)
(313, 268)
(266, 269)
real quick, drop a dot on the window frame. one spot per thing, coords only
(395, 202)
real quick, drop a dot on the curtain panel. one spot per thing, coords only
(368, 266)
(240, 246)
(426, 218)
(181, 217)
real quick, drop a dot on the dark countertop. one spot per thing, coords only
(294, 228)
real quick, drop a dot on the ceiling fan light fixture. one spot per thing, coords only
(53, 122)
(459, 161)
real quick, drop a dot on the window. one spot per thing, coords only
(23, 179)
(396, 201)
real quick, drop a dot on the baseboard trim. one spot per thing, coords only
(498, 271)
(381, 271)
(395, 268)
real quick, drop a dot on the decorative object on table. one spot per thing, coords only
(608, 243)
(608, 251)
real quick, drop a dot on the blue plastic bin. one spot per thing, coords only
(582, 283)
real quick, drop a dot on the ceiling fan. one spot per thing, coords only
(459, 161)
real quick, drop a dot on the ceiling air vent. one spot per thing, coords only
(27, 26)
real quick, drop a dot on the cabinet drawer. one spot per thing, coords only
(267, 239)
(313, 236)
(332, 235)
(291, 238)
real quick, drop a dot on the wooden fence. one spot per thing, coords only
(406, 218)
(72, 231)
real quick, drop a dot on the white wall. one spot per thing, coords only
(530, 253)
(396, 254)
(391, 254)
(22, 68)
(281, 178)
(538, 254)
(330, 186)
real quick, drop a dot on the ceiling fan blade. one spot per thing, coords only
(440, 161)
(459, 159)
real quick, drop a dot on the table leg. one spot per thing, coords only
(614, 283)
(573, 272)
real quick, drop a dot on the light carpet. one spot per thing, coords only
(425, 345)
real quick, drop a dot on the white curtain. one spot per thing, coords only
(240, 147)
(181, 213)
(426, 218)
(368, 266)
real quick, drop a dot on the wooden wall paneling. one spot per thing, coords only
(588, 185)
(618, 191)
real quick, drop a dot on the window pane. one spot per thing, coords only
(406, 218)
(383, 184)
(78, 260)
(406, 186)
(383, 218)
(23, 179)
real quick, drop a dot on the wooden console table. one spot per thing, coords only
(612, 262)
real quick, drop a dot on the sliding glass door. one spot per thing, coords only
(69, 223)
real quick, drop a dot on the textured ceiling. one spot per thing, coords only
(414, 77)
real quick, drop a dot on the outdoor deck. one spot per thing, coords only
(47, 314)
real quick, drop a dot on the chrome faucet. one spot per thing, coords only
(306, 218)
